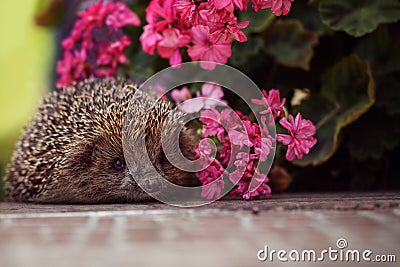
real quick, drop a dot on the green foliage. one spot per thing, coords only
(381, 50)
(243, 52)
(259, 21)
(358, 17)
(352, 78)
(290, 44)
(389, 94)
(380, 138)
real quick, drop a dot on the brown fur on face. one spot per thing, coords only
(72, 150)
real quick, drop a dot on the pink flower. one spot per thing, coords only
(259, 4)
(211, 177)
(65, 67)
(100, 54)
(189, 11)
(279, 7)
(236, 175)
(213, 190)
(121, 16)
(224, 25)
(149, 39)
(161, 13)
(180, 95)
(273, 100)
(168, 46)
(110, 56)
(242, 171)
(247, 188)
(205, 148)
(229, 5)
(73, 67)
(205, 50)
(205, 152)
(239, 138)
(263, 148)
(300, 138)
(223, 32)
(164, 31)
(242, 160)
(262, 189)
(212, 180)
(210, 96)
(212, 123)
(226, 152)
(212, 90)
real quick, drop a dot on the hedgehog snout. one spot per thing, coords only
(151, 184)
(148, 181)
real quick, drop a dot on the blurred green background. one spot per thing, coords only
(26, 56)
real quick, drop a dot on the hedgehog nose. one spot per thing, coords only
(152, 185)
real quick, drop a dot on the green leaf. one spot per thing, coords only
(290, 44)
(347, 92)
(381, 50)
(140, 66)
(388, 94)
(242, 52)
(259, 21)
(365, 141)
(313, 2)
(358, 17)
(309, 16)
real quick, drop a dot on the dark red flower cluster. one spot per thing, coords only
(96, 44)
(204, 27)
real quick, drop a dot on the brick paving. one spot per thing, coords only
(225, 233)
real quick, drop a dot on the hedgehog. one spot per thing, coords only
(72, 150)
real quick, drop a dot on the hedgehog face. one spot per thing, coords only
(150, 162)
(109, 168)
(99, 173)
(145, 145)
(104, 177)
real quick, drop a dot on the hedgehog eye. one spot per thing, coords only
(118, 164)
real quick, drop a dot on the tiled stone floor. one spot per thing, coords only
(225, 233)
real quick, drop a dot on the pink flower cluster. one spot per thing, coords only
(96, 44)
(204, 27)
(235, 132)
(300, 138)
(272, 99)
(301, 132)
(211, 95)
